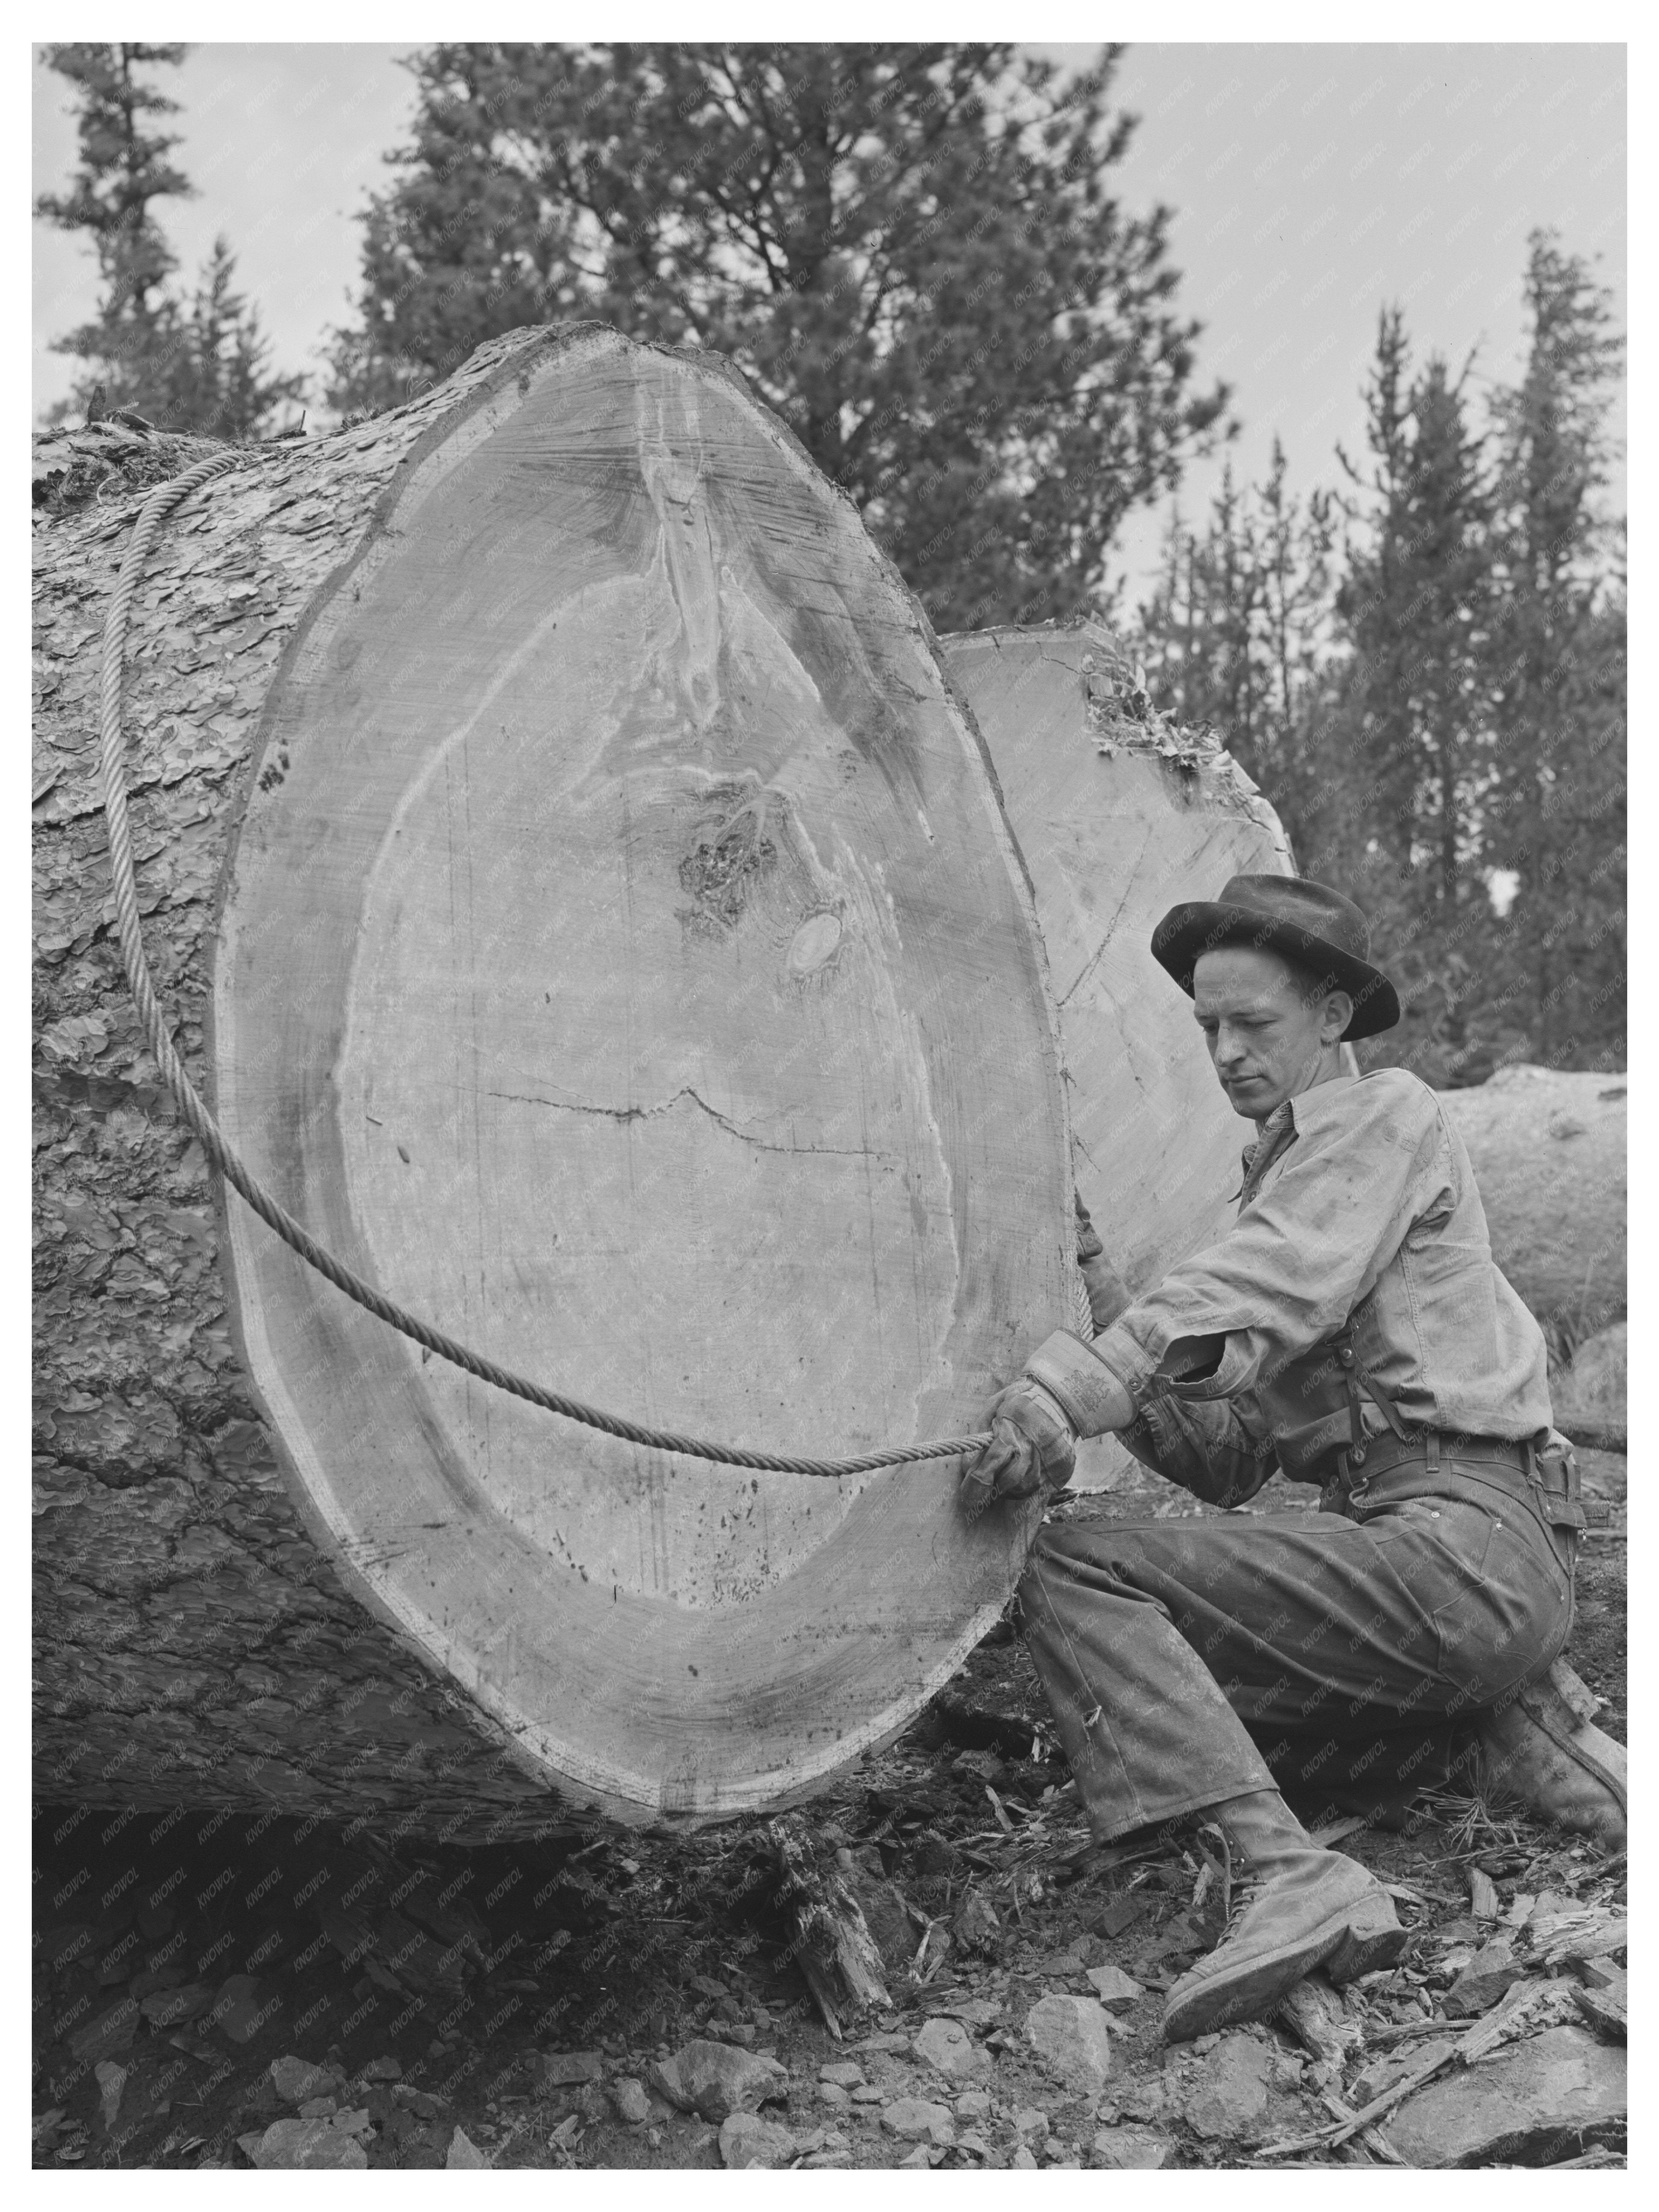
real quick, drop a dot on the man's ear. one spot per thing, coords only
(1338, 1013)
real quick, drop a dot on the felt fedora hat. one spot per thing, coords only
(1308, 923)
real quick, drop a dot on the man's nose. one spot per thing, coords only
(1228, 1047)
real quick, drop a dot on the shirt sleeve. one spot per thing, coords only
(1204, 1447)
(1364, 1166)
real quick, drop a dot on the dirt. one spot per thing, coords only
(466, 1965)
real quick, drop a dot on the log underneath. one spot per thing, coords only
(1548, 1149)
(625, 961)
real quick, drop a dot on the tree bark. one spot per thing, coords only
(280, 1558)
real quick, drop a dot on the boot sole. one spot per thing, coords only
(1343, 1950)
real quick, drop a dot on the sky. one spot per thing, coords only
(1310, 185)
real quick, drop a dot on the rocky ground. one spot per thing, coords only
(228, 1991)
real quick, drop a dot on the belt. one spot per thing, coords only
(1545, 1480)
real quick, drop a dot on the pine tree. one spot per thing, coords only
(1237, 634)
(1559, 828)
(199, 363)
(1416, 713)
(911, 251)
(123, 168)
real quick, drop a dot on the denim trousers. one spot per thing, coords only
(1176, 1654)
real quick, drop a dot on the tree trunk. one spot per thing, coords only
(1120, 817)
(612, 948)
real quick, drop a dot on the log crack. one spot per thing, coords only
(667, 1105)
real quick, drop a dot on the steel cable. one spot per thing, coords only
(160, 502)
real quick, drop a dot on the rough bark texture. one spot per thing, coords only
(194, 1642)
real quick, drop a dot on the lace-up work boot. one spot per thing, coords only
(1298, 1907)
(1541, 1748)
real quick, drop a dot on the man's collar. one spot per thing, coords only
(1310, 1105)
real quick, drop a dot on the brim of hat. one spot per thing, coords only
(1202, 925)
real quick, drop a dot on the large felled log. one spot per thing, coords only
(622, 961)
(1120, 816)
(1548, 1149)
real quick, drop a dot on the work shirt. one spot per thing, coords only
(1358, 1200)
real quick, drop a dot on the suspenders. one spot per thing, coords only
(1356, 1379)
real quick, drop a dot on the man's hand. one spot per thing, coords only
(1031, 1446)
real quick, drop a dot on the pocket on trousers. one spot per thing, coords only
(1500, 1604)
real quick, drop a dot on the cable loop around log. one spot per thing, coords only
(160, 503)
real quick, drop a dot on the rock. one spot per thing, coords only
(1230, 2094)
(947, 2047)
(155, 1977)
(1119, 1914)
(1112, 1986)
(631, 2105)
(976, 1927)
(1072, 2038)
(1131, 2148)
(61, 1945)
(748, 2140)
(108, 2034)
(845, 2073)
(833, 2096)
(974, 2105)
(111, 2080)
(1532, 2104)
(592, 2103)
(1063, 1964)
(381, 2069)
(866, 2093)
(357, 2122)
(1024, 2160)
(463, 2153)
(296, 2079)
(172, 2008)
(715, 2080)
(308, 2145)
(1484, 1980)
(237, 2011)
(564, 2070)
(319, 2108)
(912, 2119)
(1030, 2120)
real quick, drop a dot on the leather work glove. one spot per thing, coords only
(1031, 1446)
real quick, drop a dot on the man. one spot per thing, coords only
(1351, 1330)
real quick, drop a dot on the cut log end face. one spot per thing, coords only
(630, 972)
